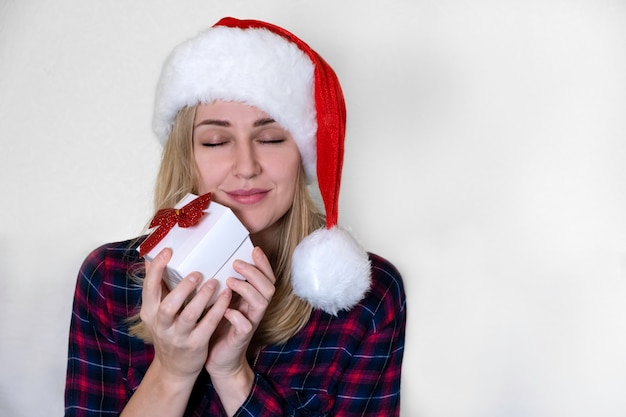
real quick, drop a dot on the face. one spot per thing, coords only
(247, 161)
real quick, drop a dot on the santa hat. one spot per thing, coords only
(267, 67)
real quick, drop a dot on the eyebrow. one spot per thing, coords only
(213, 122)
(226, 123)
(263, 122)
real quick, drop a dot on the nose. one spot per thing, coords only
(246, 164)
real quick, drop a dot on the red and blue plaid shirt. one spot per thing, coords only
(348, 365)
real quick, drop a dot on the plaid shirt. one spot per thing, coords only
(347, 365)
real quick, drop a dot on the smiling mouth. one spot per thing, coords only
(251, 196)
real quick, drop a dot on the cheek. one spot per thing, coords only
(207, 176)
(290, 178)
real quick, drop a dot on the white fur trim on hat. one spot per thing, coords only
(253, 66)
(330, 270)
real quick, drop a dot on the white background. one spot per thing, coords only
(485, 157)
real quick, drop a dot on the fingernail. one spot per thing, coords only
(193, 277)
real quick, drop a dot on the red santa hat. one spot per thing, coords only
(267, 67)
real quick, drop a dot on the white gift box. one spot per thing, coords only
(209, 247)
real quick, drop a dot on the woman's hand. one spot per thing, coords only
(230, 372)
(180, 332)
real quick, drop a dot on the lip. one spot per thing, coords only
(250, 196)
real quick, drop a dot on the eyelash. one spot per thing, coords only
(213, 145)
(262, 141)
(272, 141)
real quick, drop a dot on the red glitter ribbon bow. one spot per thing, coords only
(187, 216)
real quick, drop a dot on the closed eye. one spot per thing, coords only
(272, 141)
(213, 144)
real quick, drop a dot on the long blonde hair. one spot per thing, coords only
(178, 175)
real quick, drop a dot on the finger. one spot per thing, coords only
(173, 302)
(242, 327)
(251, 291)
(263, 283)
(152, 284)
(257, 294)
(191, 313)
(261, 262)
(214, 315)
(254, 304)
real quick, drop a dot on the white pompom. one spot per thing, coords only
(330, 270)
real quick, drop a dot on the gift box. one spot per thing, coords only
(209, 245)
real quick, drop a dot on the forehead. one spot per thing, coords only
(229, 111)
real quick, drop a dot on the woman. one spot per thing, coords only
(251, 114)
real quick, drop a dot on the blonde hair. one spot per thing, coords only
(178, 175)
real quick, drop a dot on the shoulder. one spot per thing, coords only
(386, 282)
(385, 302)
(384, 272)
(106, 272)
(116, 256)
(117, 252)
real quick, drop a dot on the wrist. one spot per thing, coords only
(170, 382)
(233, 388)
(160, 393)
